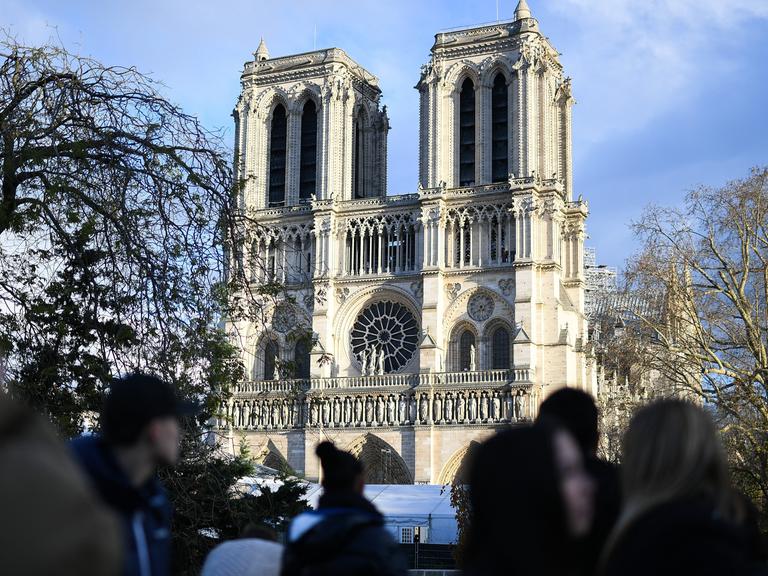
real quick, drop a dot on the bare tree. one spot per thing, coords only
(708, 261)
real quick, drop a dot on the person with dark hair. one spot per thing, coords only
(576, 411)
(681, 514)
(530, 499)
(345, 536)
(139, 433)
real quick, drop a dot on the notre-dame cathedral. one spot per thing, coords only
(438, 316)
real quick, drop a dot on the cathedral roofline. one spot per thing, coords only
(491, 32)
(306, 61)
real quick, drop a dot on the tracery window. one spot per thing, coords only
(359, 158)
(278, 142)
(467, 351)
(384, 337)
(271, 354)
(308, 161)
(302, 359)
(499, 130)
(500, 349)
(467, 133)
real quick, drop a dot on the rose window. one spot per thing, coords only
(480, 307)
(384, 326)
(284, 319)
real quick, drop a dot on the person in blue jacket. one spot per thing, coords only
(345, 536)
(139, 433)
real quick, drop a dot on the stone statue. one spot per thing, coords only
(368, 410)
(382, 358)
(325, 408)
(437, 411)
(423, 408)
(518, 406)
(484, 407)
(460, 408)
(256, 415)
(472, 364)
(471, 407)
(379, 409)
(275, 414)
(449, 408)
(358, 411)
(402, 408)
(313, 413)
(284, 413)
(391, 412)
(411, 408)
(347, 410)
(247, 415)
(364, 362)
(496, 406)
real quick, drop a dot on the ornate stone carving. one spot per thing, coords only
(507, 286)
(480, 307)
(284, 319)
(341, 294)
(452, 290)
(417, 288)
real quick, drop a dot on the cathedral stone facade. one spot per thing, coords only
(438, 316)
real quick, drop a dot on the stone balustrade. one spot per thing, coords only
(442, 399)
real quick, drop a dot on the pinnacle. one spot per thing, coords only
(261, 52)
(522, 10)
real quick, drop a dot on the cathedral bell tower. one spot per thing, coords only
(309, 126)
(493, 103)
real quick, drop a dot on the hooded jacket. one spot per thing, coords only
(145, 512)
(345, 536)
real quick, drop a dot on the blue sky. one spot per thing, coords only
(670, 93)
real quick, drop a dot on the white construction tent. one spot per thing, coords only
(410, 510)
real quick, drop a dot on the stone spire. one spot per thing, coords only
(261, 53)
(522, 10)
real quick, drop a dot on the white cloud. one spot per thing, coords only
(644, 58)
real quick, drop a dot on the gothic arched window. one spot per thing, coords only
(278, 143)
(467, 351)
(271, 354)
(499, 130)
(500, 349)
(467, 133)
(301, 359)
(308, 164)
(359, 158)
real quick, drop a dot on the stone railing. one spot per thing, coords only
(446, 398)
(478, 378)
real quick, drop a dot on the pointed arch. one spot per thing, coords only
(383, 464)
(456, 470)
(278, 154)
(266, 357)
(308, 151)
(499, 128)
(467, 131)
(360, 150)
(463, 337)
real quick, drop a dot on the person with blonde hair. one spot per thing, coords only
(681, 514)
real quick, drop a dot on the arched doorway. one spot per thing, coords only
(383, 465)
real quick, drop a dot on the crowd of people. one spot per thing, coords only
(541, 501)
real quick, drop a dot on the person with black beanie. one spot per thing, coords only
(345, 536)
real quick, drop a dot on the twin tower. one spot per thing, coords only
(493, 104)
(438, 316)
